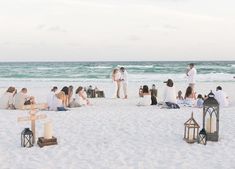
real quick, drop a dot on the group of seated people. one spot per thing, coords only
(56, 100)
(170, 100)
(60, 100)
(13, 100)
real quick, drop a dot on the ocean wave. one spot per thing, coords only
(148, 77)
(100, 67)
(136, 66)
(44, 68)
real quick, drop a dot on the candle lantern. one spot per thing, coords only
(191, 128)
(26, 138)
(211, 117)
(202, 137)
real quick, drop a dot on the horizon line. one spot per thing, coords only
(27, 61)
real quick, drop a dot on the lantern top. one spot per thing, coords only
(191, 122)
(211, 100)
(203, 131)
(27, 131)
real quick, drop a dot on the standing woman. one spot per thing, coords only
(116, 75)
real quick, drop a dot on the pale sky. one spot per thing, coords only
(90, 30)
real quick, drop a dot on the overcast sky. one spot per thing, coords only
(83, 30)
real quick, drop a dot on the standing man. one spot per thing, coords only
(124, 81)
(191, 73)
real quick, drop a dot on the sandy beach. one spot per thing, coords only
(117, 134)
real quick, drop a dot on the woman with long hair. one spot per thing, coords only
(116, 76)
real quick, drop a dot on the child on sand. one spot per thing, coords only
(180, 98)
(200, 101)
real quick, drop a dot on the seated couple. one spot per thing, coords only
(169, 96)
(147, 97)
(13, 100)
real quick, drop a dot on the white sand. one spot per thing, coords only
(116, 134)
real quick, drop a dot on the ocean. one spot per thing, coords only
(101, 71)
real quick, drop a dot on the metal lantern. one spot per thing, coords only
(202, 137)
(211, 117)
(26, 138)
(191, 128)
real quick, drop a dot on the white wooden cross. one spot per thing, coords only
(32, 117)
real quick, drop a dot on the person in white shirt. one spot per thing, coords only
(22, 99)
(146, 99)
(51, 96)
(191, 73)
(124, 81)
(221, 97)
(6, 100)
(58, 102)
(81, 97)
(169, 92)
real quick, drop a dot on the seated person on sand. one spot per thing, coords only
(169, 96)
(200, 101)
(65, 89)
(51, 96)
(190, 97)
(141, 91)
(6, 100)
(179, 97)
(145, 100)
(81, 97)
(58, 102)
(23, 101)
(221, 97)
(70, 94)
(153, 95)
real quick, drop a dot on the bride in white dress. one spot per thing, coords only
(116, 75)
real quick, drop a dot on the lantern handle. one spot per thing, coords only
(192, 115)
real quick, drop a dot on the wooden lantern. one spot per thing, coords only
(211, 117)
(26, 138)
(191, 128)
(202, 137)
